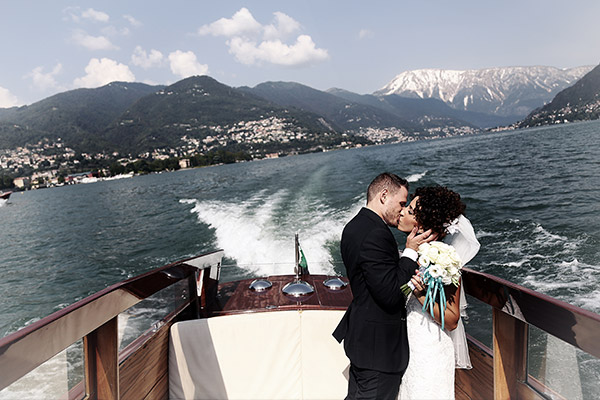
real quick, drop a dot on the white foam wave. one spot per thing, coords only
(48, 381)
(416, 177)
(544, 285)
(589, 301)
(545, 238)
(259, 232)
(481, 234)
(516, 264)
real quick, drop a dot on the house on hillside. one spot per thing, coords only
(82, 177)
(184, 163)
(22, 182)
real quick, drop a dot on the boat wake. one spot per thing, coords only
(416, 177)
(547, 262)
(258, 232)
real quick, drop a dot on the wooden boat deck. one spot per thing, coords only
(236, 297)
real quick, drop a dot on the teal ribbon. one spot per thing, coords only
(435, 289)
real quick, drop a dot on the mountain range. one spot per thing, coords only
(511, 92)
(135, 117)
(75, 116)
(579, 102)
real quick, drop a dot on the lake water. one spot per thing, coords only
(533, 197)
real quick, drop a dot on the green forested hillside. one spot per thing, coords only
(580, 102)
(78, 116)
(196, 107)
(134, 118)
(345, 114)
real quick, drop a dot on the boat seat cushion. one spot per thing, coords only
(266, 355)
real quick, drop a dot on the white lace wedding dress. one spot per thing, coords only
(433, 359)
(430, 373)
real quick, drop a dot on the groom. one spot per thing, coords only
(374, 326)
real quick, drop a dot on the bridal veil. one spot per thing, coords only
(462, 237)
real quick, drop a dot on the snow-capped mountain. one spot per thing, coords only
(505, 91)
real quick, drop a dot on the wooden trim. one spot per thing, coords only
(569, 323)
(478, 382)
(236, 297)
(139, 342)
(510, 354)
(51, 335)
(526, 392)
(193, 295)
(160, 391)
(133, 350)
(77, 392)
(143, 371)
(101, 349)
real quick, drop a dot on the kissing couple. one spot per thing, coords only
(396, 349)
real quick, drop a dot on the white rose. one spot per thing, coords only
(432, 253)
(435, 271)
(446, 279)
(442, 246)
(455, 258)
(423, 248)
(443, 259)
(454, 271)
(424, 261)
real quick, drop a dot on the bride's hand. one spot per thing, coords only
(413, 241)
(418, 284)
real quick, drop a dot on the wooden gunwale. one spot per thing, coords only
(510, 300)
(26, 349)
(567, 322)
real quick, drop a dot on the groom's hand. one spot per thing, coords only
(413, 241)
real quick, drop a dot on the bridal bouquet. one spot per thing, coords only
(439, 265)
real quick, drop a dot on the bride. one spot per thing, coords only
(436, 352)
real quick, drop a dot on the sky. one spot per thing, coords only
(48, 47)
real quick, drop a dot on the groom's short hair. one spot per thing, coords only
(385, 180)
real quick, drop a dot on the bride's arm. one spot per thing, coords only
(452, 313)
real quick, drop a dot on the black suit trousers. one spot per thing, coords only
(366, 384)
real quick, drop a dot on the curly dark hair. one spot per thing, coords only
(436, 207)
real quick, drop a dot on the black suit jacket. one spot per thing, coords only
(374, 326)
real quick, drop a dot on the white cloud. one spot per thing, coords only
(93, 42)
(186, 64)
(44, 81)
(302, 52)
(134, 22)
(252, 43)
(142, 59)
(283, 27)
(94, 15)
(365, 33)
(76, 15)
(7, 99)
(113, 31)
(241, 23)
(102, 71)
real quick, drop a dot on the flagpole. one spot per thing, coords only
(297, 248)
(298, 287)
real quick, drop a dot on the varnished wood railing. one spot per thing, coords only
(515, 308)
(500, 373)
(95, 320)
